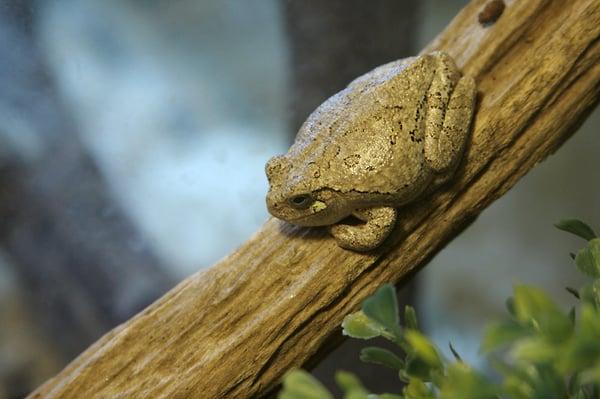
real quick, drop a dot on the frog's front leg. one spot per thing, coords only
(450, 104)
(378, 224)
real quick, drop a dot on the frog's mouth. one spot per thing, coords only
(318, 214)
(308, 221)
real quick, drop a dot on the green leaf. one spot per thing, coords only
(587, 295)
(533, 307)
(583, 351)
(530, 303)
(595, 287)
(588, 258)
(416, 389)
(510, 305)
(454, 352)
(591, 375)
(535, 349)
(533, 381)
(416, 367)
(381, 356)
(577, 227)
(410, 318)
(358, 325)
(517, 378)
(464, 383)
(573, 292)
(501, 333)
(573, 386)
(585, 262)
(298, 384)
(350, 385)
(572, 315)
(589, 325)
(594, 246)
(549, 383)
(423, 348)
(382, 307)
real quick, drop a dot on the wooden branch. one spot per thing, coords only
(233, 330)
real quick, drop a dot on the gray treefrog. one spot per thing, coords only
(392, 135)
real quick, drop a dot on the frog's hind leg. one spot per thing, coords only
(378, 224)
(449, 114)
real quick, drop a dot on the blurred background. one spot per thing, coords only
(133, 136)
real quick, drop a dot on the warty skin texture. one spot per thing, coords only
(392, 135)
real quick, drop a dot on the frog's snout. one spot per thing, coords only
(274, 206)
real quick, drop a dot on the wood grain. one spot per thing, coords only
(233, 330)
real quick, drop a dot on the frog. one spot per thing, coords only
(392, 136)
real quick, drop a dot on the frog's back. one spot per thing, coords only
(367, 138)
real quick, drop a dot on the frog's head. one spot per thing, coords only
(298, 197)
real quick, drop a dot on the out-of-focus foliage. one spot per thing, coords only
(539, 352)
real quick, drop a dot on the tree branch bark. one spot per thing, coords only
(234, 329)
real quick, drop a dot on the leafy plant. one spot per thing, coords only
(539, 351)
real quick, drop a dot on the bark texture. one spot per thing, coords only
(233, 330)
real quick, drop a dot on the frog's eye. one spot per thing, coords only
(301, 201)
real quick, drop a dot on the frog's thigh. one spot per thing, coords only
(438, 97)
(445, 141)
(379, 222)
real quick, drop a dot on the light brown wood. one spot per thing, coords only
(233, 330)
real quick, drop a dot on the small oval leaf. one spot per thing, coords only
(381, 356)
(586, 263)
(423, 348)
(410, 318)
(358, 325)
(350, 385)
(382, 307)
(577, 227)
(501, 333)
(298, 384)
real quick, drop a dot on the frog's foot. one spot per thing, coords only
(449, 115)
(378, 224)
